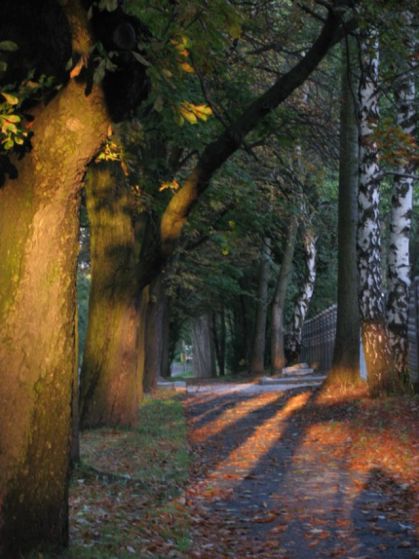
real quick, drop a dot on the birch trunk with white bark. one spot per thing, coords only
(294, 337)
(371, 296)
(398, 267)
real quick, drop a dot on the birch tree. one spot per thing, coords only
(294, 337)
(398, 269)
(371, 294)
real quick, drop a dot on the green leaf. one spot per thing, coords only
(8, 46)
(140, 58)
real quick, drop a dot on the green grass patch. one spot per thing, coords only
(126, 496)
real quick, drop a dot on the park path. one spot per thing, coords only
(285, 475)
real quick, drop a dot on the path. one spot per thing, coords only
(277, 475)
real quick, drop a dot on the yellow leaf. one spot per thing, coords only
(11, 99)
(186, 67)
(172, 185)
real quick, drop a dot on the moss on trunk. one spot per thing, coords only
(38, 252)
(110, 384)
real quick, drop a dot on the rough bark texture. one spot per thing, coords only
(294, 336)
(278, 360)
(109, 379)
(371, 295)
(155, 323)
(345, 365)
(398, 265)
(203, 355)
(257, 361)
(38, 252)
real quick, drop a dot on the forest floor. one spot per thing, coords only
(297, 474)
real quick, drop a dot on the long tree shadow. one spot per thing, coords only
(228, 426)
(304, 503)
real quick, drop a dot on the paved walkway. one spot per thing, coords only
(264, 487)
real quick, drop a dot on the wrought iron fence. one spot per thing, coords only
(319, 336)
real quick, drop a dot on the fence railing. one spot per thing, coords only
(319, 336)
(318, 339)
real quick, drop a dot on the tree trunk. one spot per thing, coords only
(203, 358)
(293, 339)
(257, 361)
(219, 335)
(371, 297)
(345, 365)
(110, 385)
(166, 342)
(156, 311)
(277, 335)
(398, 271)
(38, 255)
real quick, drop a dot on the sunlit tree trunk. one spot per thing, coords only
(398, 270)
(277, 335)
(110, 385)
(257, 360)
(38, 255)
(345, 365)
(203, 355)
(371, 295)
(294, 336)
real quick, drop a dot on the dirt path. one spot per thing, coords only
(294, 475)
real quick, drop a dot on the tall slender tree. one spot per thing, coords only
(257, 360)
(278, 360)
(398, 268)
(302, 302)
(345, 365)
(371, 294)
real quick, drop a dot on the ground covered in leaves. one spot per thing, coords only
(299, 474)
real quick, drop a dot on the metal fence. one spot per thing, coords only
(318, 339)
(319, 336)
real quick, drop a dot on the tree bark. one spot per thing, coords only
(345, 365)
(257, 361)
(156, 311)
(219, 336)
(277, 336)
(38, 254)
(110, 384)
(398, 269)
(203, 357)
(294, 337)
(371, 295)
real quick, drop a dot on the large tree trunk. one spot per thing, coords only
(398, 271)
(257, 360)
(277, 335)
(203, 355)
(345, 365)
(371, 295)
(110, 385)
(294, 336)
(155, 324)
(219, 335)
(38, 254)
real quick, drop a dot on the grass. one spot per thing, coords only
(126, 496)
